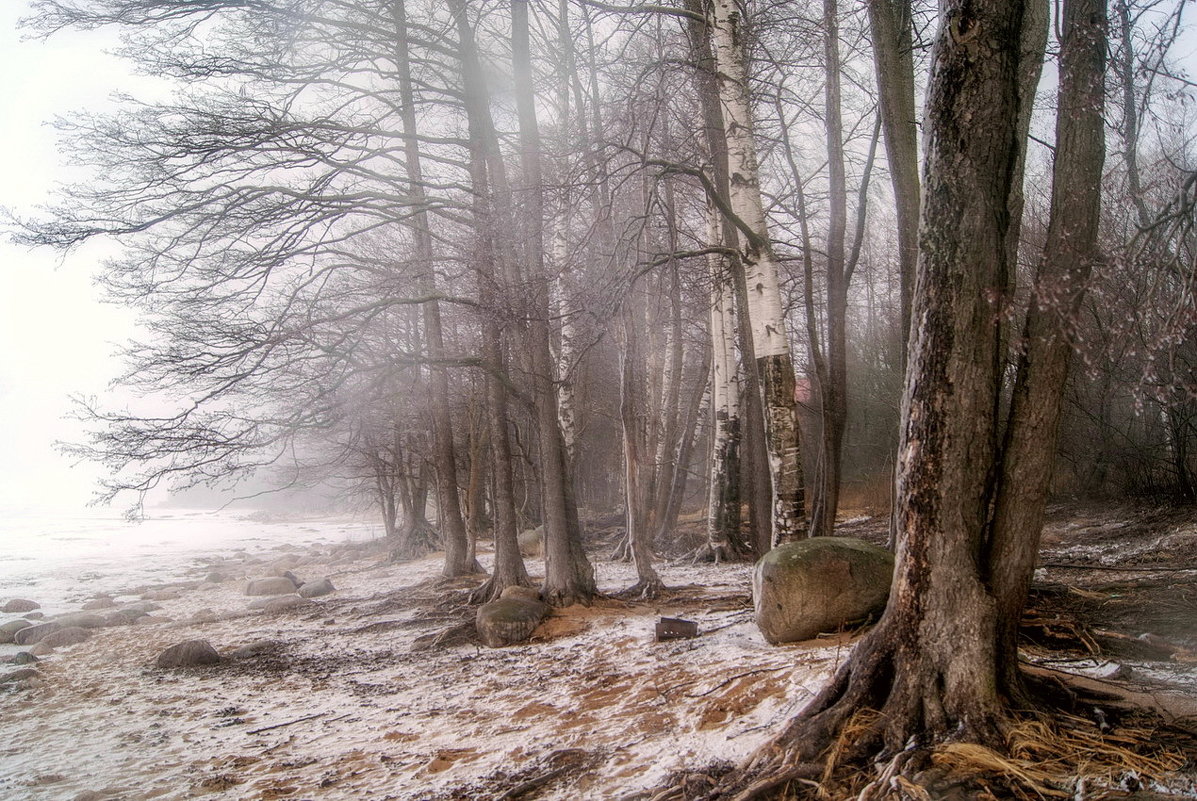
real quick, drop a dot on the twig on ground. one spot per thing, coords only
(288, 723)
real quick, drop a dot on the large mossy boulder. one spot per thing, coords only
(511, 619)
(820, 584)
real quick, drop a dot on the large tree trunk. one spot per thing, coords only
(931, 666)
(1046, 348)
(509, 565)
(458, 559)
(569, 577)
(764, 310)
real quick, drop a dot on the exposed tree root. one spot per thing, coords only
(868, 737)
(493, 587)
(644, 590)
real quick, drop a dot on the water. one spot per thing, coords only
(61, 560)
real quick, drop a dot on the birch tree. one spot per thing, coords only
(764, 309)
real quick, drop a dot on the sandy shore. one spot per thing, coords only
(342, 707)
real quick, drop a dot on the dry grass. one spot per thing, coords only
(1045, 758)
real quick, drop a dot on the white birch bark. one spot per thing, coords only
(725, 400)
(764, 307)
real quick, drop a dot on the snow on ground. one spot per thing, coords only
(593, 708)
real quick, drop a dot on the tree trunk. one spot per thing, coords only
(1046, 349)
(458, 559)
(723, 504)
(632, 411)
(892, 27)
(930, 666)
(509, 565)
(833, 377)
(569, 577)
(770, 344)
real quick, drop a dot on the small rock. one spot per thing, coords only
(18, 606)
(36, 615)
(188, 654)
(314, 589)
(123, 617)
(509, 620)
(256, 648)
(99, 603)
(41, 649)
(22, 658)
(20, 675)
(204, 616)
(9, 629)
(71, 635)
(215, 577)
(1113, 670)
(161, 595)
(286, 603)
(152, 620)
(271, 585)
(144, 607)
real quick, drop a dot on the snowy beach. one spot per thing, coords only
(334, 702)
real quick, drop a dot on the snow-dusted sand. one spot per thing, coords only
(593, 708)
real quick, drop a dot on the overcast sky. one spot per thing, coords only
(56, 338)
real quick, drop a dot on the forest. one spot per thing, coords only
(663, 283)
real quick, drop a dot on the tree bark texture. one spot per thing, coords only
(458, 560)
(569, 576)
(771, 347)
(1046, 348)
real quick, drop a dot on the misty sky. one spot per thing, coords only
(56, 338)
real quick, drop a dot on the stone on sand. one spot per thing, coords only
(189, 653)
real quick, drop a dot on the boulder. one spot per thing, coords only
(40, 649)
(819, 584)
(9, 629)
(271, 585)
(71, 635)
(511, 619)
(286, 603)
(531, 542)
(19, 606)
(188, 654)
(22, 658)
(314, 589)
(161, 595)
(94, 604)
(205, 615)
(215, 577)
(152, 620)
